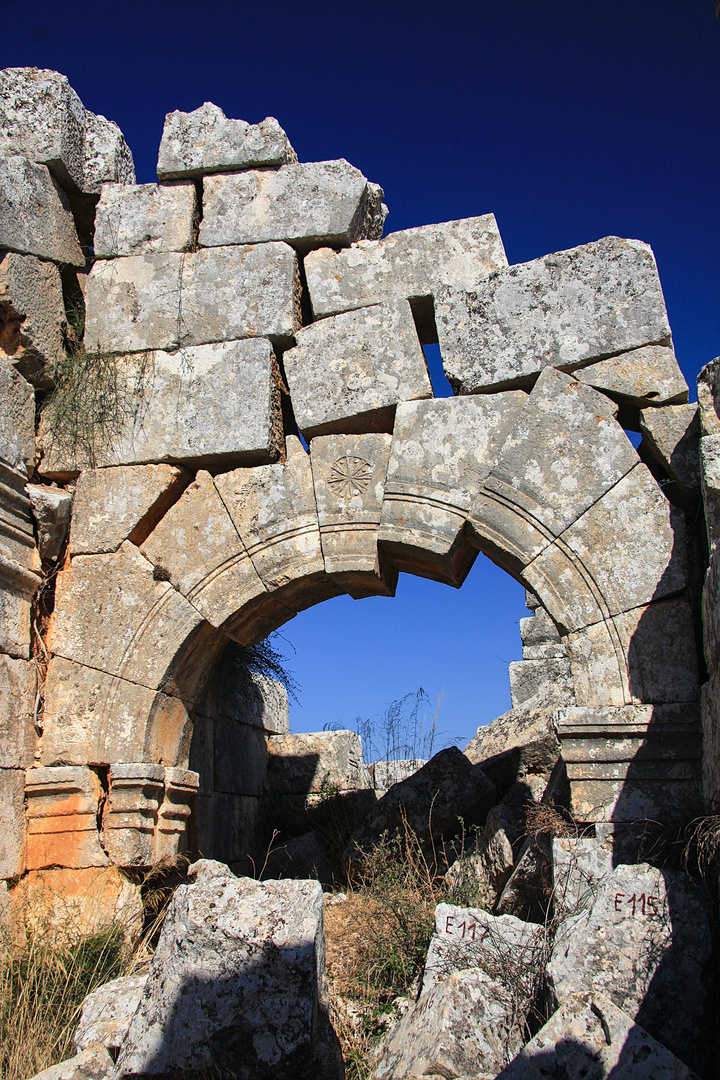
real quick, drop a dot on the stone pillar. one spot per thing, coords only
(62, 817)
(136, 791)
(181, 786)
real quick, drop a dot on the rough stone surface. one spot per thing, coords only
(143, 218)
(17, 419)
(464, 1026)
(590, 1037)
(540, 637)
(301, 857)
(247, 697)
(710, 708)
(300, 764)
(51, 508)
(646, 943)
(63, 804)
(563, 310)
(213, 405)
(206, 141)
(108, 159)
(32, 314)
(170, 299)
(93, 1063)
(529, 732)
(579, 865)
(12, 831)
(410, 264)
(347, 373)
(319, 204)
(122, 503)
(708, 388)
(386, 773)
(35, 217)
(710, 470)
(236, 982)
(647, 376)
(538, 678)
(107, 1012)
(18, 687)
(672, 436)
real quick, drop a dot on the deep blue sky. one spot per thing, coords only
(570, 119)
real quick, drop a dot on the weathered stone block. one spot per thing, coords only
(241, 756)
(94, 1063)
(131, 812)
(408, 265)
(564, 310)
(349, 474)
(143, 218)
(646, 943)
(319, 204)
(206, 141)
(710, 710)
(181, 788)
(249, 959)
(107, 1012)
(43, 119)
(540, 637)
(540, 679)
(442, 452)
(121, 503)
(17, 421)
(108, 159)
(35, 217)
(213, 405)
(301, 764)
(51, 509)
(671, 436)
(12, 824)
(529, 733)
(170, 300)
(710, 473)
(32, 314)
(643, 377)
(708, 388)
(229, 827)
(589, 1036)
(18, 552)
(347, 373)
(18, 689)
(246, 696)
(711, 612)
(62, 817)
(386, 773)
(579, 865)
(19, 558)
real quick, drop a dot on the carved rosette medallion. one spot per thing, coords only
(350, 476)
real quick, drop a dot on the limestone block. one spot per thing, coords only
(213, 405)
(410, 265)
(527, 893)
(17, 420)
(349, 474)
(672, 436)
(12, 825)
(539, 679)
(540, 637)
(35, 217)
(529, 733)
(579, 865)
(181, 787)
(386, 773)
(62, 813)
(81, 901)
(464, 1026)
(107, 1012)
(564, 310)
(43, 119)
(15, 611)
(273, 509)
(206, 141)
(169, 299)
(131, 813)
(710, 472)
(150, 620)
(121, 503)
(143, 218)
(643, 377)
(94, 1063)
(318, 204)
(32, 314)
(108, 159)
(710, 709)
(51, 508)
(248, 957)
(247, 696)
(19, 558)
(347, 373)
(229, 827)
(240, 757)
(588, 1036)
(196, 546)
(442, 452)
(18, 689)
(301, 764)
(711, 611)
(500, 945)
(708, 389)
(301, 857)
(646, 943)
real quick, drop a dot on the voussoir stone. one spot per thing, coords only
(35, 216)
(237, 983)
(142, 218)
(410, 264)
(647, 376)
(206, 141)
(672, 435)
(32, 313)
(165, 300)
(347, 373)
(310, 205)
(564, 310)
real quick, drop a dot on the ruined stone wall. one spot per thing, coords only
(283, 445)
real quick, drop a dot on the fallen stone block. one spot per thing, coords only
(122, 503)
(93, 1063)
(527, 893)
(32, 314)
(143, 218)
(538, 678)
(209, 405)
(590, 1037)
(171, 300)
(35, 218)
(206, 141)
(671, 436)
(301, 857)
(386, 773)
(347, 374)
(318, 762)
(408, 265)
(646, 943)
(236, 982)
(318, 204)
(579, 865)
(107, 1012)
(650, 376)
(564, 310)
(529, 733)
(465, 1025)
(51, 509)
(108, 159)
